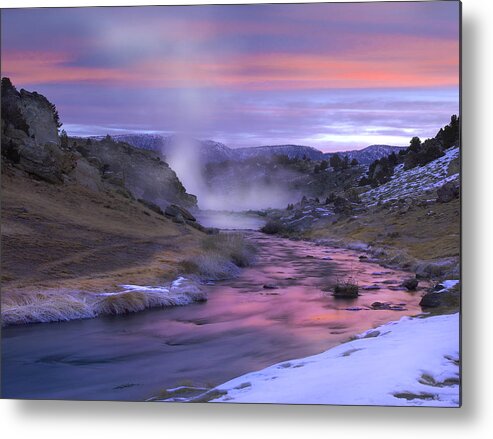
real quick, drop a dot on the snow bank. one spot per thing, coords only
(412, 362)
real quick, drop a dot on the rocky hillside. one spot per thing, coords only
(412, 221)
(30, 143)
(83, 227)
(371, 153)
(143, 173)
(290, 151)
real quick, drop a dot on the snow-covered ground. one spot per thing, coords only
(415, 181)
(411, 362)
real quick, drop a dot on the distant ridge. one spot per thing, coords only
(211, 151)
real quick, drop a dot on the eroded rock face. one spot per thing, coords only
(30, 135)
(141, 172)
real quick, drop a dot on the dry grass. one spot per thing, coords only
(44, 307)
(220, 256)
(56, 306)
(62, 242)
(423, 233)
(69, 237)
(233, 246)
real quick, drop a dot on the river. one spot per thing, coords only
(241, 328)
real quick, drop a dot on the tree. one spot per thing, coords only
(335, 161)
(324, 164)
(354, 162)
(415, 144)
(393, 159)
(56, 117)
(450, 134)
(64, 139)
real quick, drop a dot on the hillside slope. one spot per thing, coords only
(81, 233)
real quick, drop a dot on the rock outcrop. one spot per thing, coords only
(30, 135)
(143, 173)
(31, 143)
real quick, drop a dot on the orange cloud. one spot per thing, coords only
(378, 62)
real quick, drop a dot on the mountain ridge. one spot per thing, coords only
(212, 151)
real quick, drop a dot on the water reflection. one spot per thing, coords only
(243, 327)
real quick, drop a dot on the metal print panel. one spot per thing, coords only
(232, 203)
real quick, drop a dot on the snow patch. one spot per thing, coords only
(411, 362)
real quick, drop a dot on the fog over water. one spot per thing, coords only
(236, 191)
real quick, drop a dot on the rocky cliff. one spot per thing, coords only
(30, 135)
(31, 143)
(141, 172)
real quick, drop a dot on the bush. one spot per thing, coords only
(272, 227)
(347, 288)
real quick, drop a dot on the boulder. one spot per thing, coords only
(448, 192)
(410, 284)
(151, 206)
(173, 211)
(178, 219)
(431, 300)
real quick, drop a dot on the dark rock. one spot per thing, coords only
(30, 138)
(371, 287)
(173, 211)
(270, 287)
(410, 284)
(151, 206)
(448, 192)
(448, 299)
(431, 300)
(380, 305)
(178, 219)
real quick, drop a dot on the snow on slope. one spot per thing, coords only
(411, 362)
(415, 181)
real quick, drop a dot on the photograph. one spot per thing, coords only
(232, 203)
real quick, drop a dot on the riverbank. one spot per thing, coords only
(69, 252)
(413, 362)
(278, 309)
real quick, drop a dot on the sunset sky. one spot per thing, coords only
(333, 76)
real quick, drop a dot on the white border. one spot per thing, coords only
(25, 419)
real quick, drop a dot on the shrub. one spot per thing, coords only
(347, 288)
(272, 227)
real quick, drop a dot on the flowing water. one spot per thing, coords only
(241, 328)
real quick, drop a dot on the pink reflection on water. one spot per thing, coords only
(298, 306)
